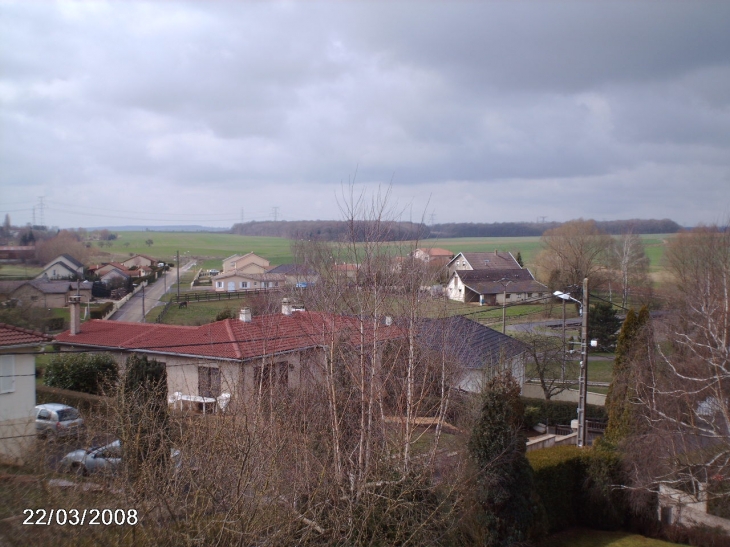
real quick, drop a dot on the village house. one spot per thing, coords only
(17, 391)
(480, 352)
(62, 267)
(434, 255)
(241, 281)
(230, 358)
(140, 261)
(495, 287)
(42, 293)
(295, 275)
(248, 263)
(483, 261)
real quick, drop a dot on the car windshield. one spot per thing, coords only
(68, 414)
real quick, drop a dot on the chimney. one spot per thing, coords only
(74, 304)
(286, 308)
(245, 315)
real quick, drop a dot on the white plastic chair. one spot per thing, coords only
(174, 398)
(223, 401)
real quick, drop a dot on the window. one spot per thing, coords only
(273, 375)
(244, 284)
(219, 284)
(7, 373)
(209, 381)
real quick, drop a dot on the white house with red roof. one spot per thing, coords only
(17, 390)
(233, 356)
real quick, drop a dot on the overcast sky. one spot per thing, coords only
(205, 112)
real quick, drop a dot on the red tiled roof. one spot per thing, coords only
(15, 336)
(436, 251)
(227, 339)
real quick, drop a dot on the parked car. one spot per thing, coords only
(102, 459)
(56, 420)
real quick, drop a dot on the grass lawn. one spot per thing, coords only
(596, 538)
(196, 313)
(19, 271)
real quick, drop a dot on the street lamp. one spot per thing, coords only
(583, 379)
(504, 282)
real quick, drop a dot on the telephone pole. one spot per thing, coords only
(583, 393)
(178, 276)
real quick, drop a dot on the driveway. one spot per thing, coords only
(150, 295)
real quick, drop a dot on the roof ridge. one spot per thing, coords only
(234, 341)
(23, 330)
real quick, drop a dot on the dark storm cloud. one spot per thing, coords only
(276, 104)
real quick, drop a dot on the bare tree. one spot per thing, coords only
(572, 252)
(683, 373)
(549, 364)
(630, 262)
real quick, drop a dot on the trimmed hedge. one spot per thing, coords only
(101, 311)
(557, 412)
(84, 372)
(575, 487)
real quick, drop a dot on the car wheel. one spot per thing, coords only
(78, 470)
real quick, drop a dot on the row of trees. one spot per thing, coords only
(580, 249)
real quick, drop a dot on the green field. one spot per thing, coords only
(201, 245)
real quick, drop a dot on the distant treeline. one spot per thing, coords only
(333, 230)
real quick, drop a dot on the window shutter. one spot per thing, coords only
(7, 373)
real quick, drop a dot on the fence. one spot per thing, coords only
(199, 296)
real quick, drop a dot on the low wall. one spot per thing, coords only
(571, 395)
(549, 440)
(119, 303)
(677, 507)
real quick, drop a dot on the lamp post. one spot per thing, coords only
(583, 379)
(565, 297)
(504, 282)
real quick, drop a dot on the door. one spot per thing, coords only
(231, 286)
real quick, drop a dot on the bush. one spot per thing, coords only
(85, 372)
(224, 314)
(102, 310)
(575, 487)
(557, 412)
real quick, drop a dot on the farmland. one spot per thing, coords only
(209, 246)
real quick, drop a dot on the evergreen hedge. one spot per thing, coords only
(575, 487)
(557, 412)
(84, 372)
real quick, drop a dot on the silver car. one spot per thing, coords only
(57, 420)
(103, 459)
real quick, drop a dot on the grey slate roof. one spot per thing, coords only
(291, 269)
(474, 345)
(491, 281)
(489, 261)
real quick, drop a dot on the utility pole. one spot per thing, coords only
(582, 433)
(275, 213)
(143, 313)
(562, 372)
(178, 276)
(504, 282)
(41, 208)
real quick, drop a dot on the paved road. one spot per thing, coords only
(132, 310)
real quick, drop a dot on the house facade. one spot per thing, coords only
(237, 357)
(248, 263)
(140, 261)
(295, 275)
(17, 391)
(434, 255)
(240, 281)
(495, 287)
(47, 294)
(62, 267)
